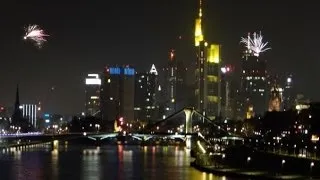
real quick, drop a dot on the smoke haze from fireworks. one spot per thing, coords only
(35, 33)
(255, 44)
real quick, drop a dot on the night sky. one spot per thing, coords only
(87, 36)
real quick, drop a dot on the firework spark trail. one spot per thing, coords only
(255, 44)
(36, 34)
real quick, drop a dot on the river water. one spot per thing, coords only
(119, 162)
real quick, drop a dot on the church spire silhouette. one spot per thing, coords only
(17, 102)
(17, 114)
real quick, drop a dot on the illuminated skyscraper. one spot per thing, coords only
(253, 76)
(207, 87)
(117, 94)
(145, 107)
(289, 96)
(174, 84)
(227, 93)
(253, 85)
(92, 90)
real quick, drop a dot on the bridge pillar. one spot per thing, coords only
(188, 141)
(188, 126)
(98, 141)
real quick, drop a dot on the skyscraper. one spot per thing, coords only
(207, 87)
(145, 107)
(253, 84)
(227, 93)
(289, 96)
(117, 94)
(253, 76)
(92, 91)
(174, 84)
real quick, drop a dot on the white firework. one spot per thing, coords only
(255, 44)
(35, 33)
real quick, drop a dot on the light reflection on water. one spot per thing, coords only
(74, 162)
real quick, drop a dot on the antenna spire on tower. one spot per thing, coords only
(200, 8)
(198, 30)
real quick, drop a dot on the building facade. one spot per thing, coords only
(174, 86)
(276, 97)
(289, 96)
(207, 73)
(117, 93)
(228, 93)
(29, 111)
(92, 94)
(253, 85)
(145, 102)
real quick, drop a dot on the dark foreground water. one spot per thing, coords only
(75, 162)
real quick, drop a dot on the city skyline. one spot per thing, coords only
(83, 43)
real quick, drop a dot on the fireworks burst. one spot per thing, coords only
(254, 44)
(36, 34)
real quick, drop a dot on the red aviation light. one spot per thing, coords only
(172, 54)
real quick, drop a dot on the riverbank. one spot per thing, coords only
(243, 173)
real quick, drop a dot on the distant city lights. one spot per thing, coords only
(225, 69)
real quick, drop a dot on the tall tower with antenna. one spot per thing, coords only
(207, 73)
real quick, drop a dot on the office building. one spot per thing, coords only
(208, 73)
(117, 94)
(227, 93)
(174, 86)
(253, 85)
(92, 91)
(289, 96)
(254, 76)
(145, 102)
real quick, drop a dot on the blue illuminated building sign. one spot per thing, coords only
(46, 115)
(114, 70)
(129, 71)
